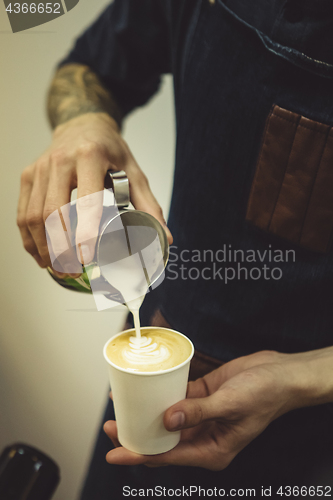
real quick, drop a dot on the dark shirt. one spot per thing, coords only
(231, 63)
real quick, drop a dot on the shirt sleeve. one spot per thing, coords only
(128, 48)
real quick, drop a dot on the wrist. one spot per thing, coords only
(82, 119)
(310, 376)
(77, 90)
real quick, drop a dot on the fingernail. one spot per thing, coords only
(177, 420)
(85, 255)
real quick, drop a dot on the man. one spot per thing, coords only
(253, 176)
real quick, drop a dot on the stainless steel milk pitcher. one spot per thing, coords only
(122, 232)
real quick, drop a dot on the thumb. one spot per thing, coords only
(192, 412)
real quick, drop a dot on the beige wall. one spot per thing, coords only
(53, 382)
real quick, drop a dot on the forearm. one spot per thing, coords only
(76, 90)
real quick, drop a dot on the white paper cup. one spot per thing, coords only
(141, 398)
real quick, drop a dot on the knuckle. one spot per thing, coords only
(29, 246)
(159, 211)
(26, 175)
(197, 413)
(122, 157)
(41, 164)
(21, 221)
(123, 144)
(267, 356)
(271, 353)
(87, 149)
(34, 219)
(58, 157)
(49, 210)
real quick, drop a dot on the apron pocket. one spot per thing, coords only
(292, 190)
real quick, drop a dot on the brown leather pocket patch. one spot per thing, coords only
(292, 190)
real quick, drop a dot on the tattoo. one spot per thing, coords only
(76, 90)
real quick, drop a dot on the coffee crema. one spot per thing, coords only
(157, 350)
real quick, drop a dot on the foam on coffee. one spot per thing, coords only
(158, 349)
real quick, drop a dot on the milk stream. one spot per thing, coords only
(143, 350)
(131, 276)
(130, 279)
(133, 284)
(134, 307)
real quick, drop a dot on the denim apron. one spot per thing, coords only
(254, 110)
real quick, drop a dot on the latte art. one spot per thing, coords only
(145, 351)
(157, 349)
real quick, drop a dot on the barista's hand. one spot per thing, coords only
(82, 151)
(225, 410)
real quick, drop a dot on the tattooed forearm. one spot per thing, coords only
(76, 90)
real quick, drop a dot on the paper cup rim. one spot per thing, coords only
(159, 372)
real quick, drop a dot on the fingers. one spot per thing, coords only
(191, 412)
(57, 216)
(232, 398)
(45, 192)
(211, 382)
(41, 194)
(34, 183)
(35, 211)
(24, 198)
(206, 450)
(185, 453)
(110, 428)
(143, 198)
(207, 398)
(92, 166)
(122, 456)
(197, 389)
